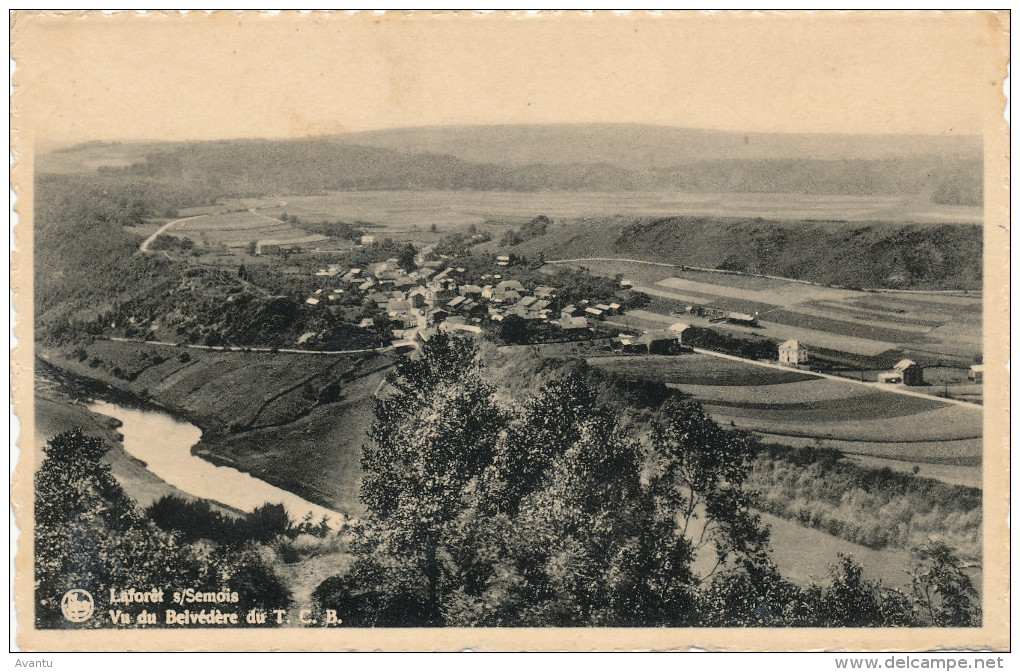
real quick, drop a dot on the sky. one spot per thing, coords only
(228, 75)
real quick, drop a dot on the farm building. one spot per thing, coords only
(418, 297)
(976, 373)
(629, 344)
(568, 323)
(910, 371)
(792, 352)
(594, 312)
(510, 285)
(461, 328)
(679, 328)
(278, 246)
(367, 240)
(423, 335)
(659, 341)
(742, 318)
(328, 272)
(544, 292)
(503, 260)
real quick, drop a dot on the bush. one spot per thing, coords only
(196, 519)
(878, 508)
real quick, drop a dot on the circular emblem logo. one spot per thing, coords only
(77, 605)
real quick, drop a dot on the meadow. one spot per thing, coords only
(236, 229)
(873, 328)
(462, 207)
(695, 369)
(804, 410)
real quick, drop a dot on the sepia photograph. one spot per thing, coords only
(547, 331)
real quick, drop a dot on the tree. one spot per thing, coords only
(406, 257)
(943, 592)
(432, 436)
(513, 330)
(90, 535)
(698, 472)
(547, 512)
(853, 601)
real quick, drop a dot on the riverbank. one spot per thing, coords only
(57, 411)
(295, 421)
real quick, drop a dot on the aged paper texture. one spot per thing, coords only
(507, 331)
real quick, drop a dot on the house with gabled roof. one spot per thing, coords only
(793, 353)
(910, 371)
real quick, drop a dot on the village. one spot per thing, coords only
(436, 297)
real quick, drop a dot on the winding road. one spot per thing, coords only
(144, 247)
(290, 351)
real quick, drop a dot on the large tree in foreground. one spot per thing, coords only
(553, 511)
(540, 513)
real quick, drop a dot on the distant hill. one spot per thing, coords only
(644, 147)
(946, 170)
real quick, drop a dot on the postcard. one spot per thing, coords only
(587, 331)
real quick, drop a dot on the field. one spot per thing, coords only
(236, 229)
(695, 370)
(800, 409)
(462, 207)
(876, 328)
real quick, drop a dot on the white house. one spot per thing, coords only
(792, 352)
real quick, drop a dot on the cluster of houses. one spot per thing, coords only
(426, 300)
(905, 372)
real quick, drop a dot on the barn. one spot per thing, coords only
(910, 371)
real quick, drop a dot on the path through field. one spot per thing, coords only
(144, 247)
(896, 389)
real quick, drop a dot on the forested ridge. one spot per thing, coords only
(238, 168)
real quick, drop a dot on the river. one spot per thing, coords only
(164, 444)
